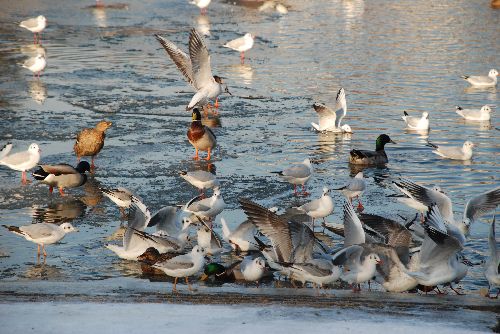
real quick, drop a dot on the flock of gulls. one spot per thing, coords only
(182, 241)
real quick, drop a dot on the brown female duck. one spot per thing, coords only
(200, 136)
(89, 142)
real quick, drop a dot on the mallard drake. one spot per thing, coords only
(221, 273)
(377, 157)
(200, 136)
(62, 176)
(89, 142)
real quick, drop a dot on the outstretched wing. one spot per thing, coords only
(340, 107)
(200, 60)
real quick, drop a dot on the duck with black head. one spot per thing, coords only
(377, 157)
(200, 136)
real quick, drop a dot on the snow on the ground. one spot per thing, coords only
(87, 318)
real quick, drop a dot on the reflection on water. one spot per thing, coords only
(93, 195)
(100, 17)
(244, 71)
(353, 12)
(37, 90)
(203, 24)
(212, 122)
(33, 50)
(43, 271)
(423, 134)
(59, 210)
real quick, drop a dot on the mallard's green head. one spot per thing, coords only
(196, 115)
(382, 140)
(214, 269)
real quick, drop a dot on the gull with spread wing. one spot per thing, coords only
(330, 119)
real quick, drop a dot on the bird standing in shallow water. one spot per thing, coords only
(377, 157)
(89, 142)
(200, 136)
(62, 176)
(21, 161)
(36, 26)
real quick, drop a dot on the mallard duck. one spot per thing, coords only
(62, 176)
(377, 157)
(221, 273)
(200, 136)
(150, 257)
(89, 142)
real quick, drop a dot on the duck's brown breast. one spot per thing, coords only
(89, 142)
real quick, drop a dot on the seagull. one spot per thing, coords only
(36, 26)
(62, 175)
(120, 196)
(253, 269)
(476, 206)
(358, 268)
(241, 238)
(20, 161)
(492, 265)
(200, 179)
(298, 175)
(329, 120)
(354, 188)
(483, 81)
(353, 229)
(202, 5)
(317, 271)
(208, 239)
(35, 64)
(196, 69)
(439, 259)
(136, 241)
(483, 114)
(415, 123)
(318, 208)
(43, 233)
(463, 153)
(409, 201)
(183, 265)
(241, 45)
(206, 208)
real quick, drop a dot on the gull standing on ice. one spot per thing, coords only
(36, 26)
(492, 265)
(43, 233)
(206, 208)
(482, 80)
(20, 161)
(415, 123)
(319, 208)
(241, 45)
(463, 153)
(483, 114)
(354, 188)
(35, 64)
(200, 179)
(196, 69)
(253, 269)
(329, 120)
(298, 175)
(183, 265)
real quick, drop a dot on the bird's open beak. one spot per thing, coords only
(204, 277)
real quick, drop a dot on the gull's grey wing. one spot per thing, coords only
(299, 171)
(199, 206)
(353, 230)
(29, 23)
(480, 79)
(29, 62)
(482, 204)
(37, 231)
(245, 230)
(180, 59)
(200, 60)
(202, 175)
(313, 269)
(426, 196)
(327, 116)
(311, 206)
(178, 262)
(235, 43)
(136, 222)
(165, 220)
(492, 241)
(394, 233)
(452, 152)
(340, 107)
(16, 158)
(303, 241)
(164, 241)
(5, 150)
(348, 255)
(272, 226)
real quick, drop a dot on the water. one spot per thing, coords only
(106, 64)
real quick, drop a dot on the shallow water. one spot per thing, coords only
(389, 57)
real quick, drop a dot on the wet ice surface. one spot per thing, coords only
(107, 64)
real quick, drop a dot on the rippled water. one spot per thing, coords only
(389, 57)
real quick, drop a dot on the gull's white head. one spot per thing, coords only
(260, 262)
(346, 128)
(67, 228)
(374, 258)
(34, 148)
(41, 18)
(307, 162)
(468, 145)
(216, 192)
(486, 108)
(249, 36)
(198, 250)
(493, 73)
(425, 115)
(325, 191)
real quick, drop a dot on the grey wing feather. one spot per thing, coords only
(348, 254)
(395, 234)
(5, 150)
(245, 230)
(353, 230)
(200, 60)
(313, 269)
(16, 158)
(37, 231)
(299, 171)
(340, 107)
(482, 204)
(165, 220)
(29, 62)
(30, 23)
(180, 59)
